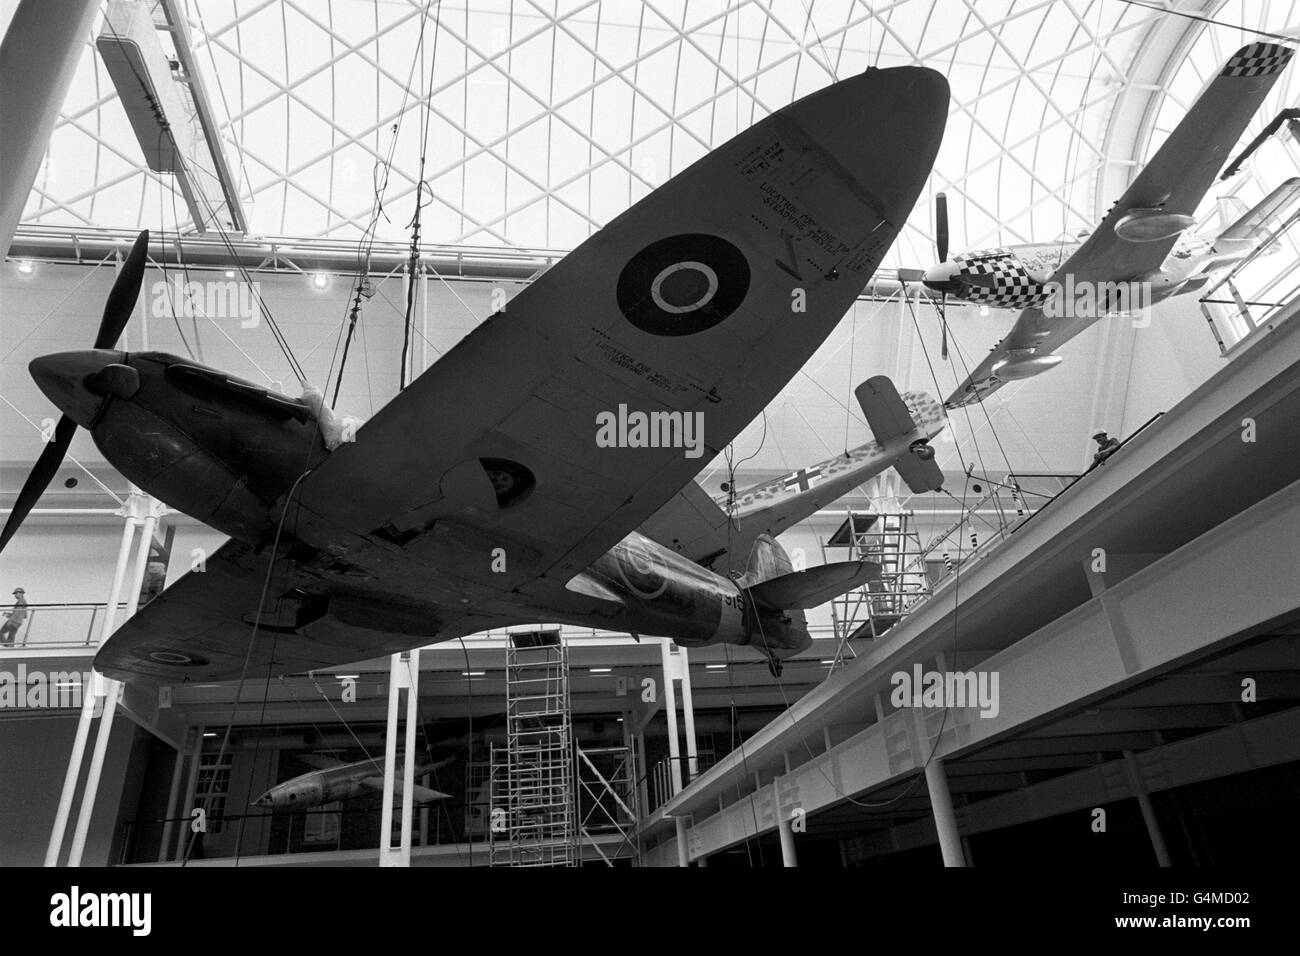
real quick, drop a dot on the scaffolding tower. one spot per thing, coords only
(607, 800)
(890, 541)
(532, 820)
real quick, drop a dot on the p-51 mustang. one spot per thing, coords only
(1063, 288)
(335, 780)
(479, 496)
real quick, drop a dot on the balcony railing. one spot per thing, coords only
(58, 625)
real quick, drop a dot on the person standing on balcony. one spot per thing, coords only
(14, 619)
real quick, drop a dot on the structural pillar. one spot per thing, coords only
(386, 855)
(688, 714)
(403, 674)
(1134, 773)
(173, 794)
(945, 821)
(683, 847)
(112, 691)
(408, 766)
(191, 791)
(89, 697)
(785, 831)
(670, 705)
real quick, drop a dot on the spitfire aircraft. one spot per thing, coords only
(335, 780)
(1125, 264)
(479, 497)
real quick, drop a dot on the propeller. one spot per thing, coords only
(941, 246)
(117, 312)
(941, 225)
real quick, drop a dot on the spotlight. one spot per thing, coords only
(25, 266)
(230, 273)
(599, 670)
(320, 280)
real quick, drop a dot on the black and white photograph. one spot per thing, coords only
(611, 435)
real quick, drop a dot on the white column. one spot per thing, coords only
(112, 691)
(191, 791)
(683, 847)
(173, 794)
(670, 706)
(1134, 773)
(785, 831)
(387, 855)
(945, 821)
(688, 712)
(408, 768)
(38, 58)
(88, 698)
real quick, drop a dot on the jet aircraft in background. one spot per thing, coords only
(335, 780)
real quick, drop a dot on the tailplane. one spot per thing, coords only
(1255, 225)
(777, 595)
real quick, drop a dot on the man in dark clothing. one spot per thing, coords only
(1107, 446)
(14, 619)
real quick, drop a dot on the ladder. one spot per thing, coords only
(892, 542)
(532, 820)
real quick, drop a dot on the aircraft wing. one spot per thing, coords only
(1174, 181)
(201, 628)
(681, 308)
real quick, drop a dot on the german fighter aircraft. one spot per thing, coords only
(479, 496)
(1064, 287)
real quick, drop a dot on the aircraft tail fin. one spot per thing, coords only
(767, 560)
(1255, 225)
(893, 416)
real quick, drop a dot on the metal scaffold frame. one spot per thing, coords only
(533, 819)
(889, 540)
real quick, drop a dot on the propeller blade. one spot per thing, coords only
(126, 289)
(46, 467)
(943, 321)
(941, 225)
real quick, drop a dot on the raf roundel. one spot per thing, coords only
(683, 284)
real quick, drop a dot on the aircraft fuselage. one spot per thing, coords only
(1018, 277)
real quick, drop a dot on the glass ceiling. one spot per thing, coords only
(546, 119)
